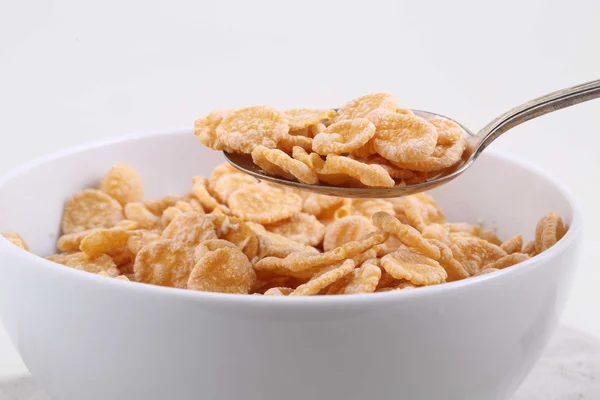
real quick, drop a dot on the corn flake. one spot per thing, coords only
(82, 262)
(513, 245)
(312, 160)
(164, 263)
(474, 230)
(443, 156)
(317, 204)
(90, 209)
(414, 267)
(158, 206)
(120, 277)
(301, 227)
(337, 167)
(406, 234)
(529, 248)
(227, 184)
(448, 131)
(278, 291)
(394, 171)
(263, 204)
(123, 183)
(324, 279)
(369, 207)
(363, 279)
(224, 270)
(238, 232)
(405, 138)
(219, 171)
(16, 239)
(201, 192)
(206, 129)
(453, 268)
(288, 142)
(508, 261)
(549, 230)
(211, 245)
(272, 244)
(276, 162)
(169, 215)
(190, 229)
(244, 129)
(301, 261)
(364, 105)
(344, 136)
(104, 241)
(473, 253)
(141, 238)
(301, 118)
(347, 229)
(421, 210)
(138, 212)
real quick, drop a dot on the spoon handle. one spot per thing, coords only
(536, 108)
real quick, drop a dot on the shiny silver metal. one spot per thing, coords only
(476, 144)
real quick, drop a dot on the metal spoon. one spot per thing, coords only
(476, 143)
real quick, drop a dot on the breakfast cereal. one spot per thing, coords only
(346, 169)
(244, 129)
(344, 137)
(264, 204)
(233, 234)
(202, 194)
(278, 291)
(303, 228)
(346, 229)
(414, 267)
(165, 263)
(190, 229)
(137, 211)
(123, 183)
(91, 208)
(278, 163)
(370, 141)
(104, 241)
(324, 278)
(364, 105)
(16, 239)
(548, 231)
(302, 118)
(406, 234)
(206, 129)
(361, 280)
(224, 270)
(513, 245)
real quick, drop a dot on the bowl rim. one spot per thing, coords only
(11, 251)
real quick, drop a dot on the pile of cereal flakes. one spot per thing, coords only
(232, 234)
(368, 142)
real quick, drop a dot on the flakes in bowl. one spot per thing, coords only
(16, 239)
(224, 270)
(90, 209)
(232, 234)
(123, 183)
(165, 263)
(264, 205)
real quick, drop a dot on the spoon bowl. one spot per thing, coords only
(476, 143)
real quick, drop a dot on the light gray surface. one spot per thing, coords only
(568, 370)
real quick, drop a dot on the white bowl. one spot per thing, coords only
(88, 337)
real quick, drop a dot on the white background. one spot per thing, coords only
(73, 72)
